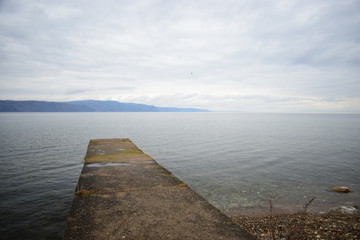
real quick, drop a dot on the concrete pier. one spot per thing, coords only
(123, 193)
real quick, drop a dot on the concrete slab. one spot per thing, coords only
(123, 193)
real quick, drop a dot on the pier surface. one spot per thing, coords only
(123, 193)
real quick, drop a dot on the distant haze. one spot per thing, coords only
(228, 55)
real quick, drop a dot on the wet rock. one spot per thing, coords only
(341, 189)
(344, 210)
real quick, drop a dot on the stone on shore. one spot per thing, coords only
(341, 189)
(344, 210)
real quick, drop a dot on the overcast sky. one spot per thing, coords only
(262, 56)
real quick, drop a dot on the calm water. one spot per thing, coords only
(237, 161)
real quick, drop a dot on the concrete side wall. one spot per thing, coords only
(123, 193)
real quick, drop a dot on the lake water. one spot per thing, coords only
(237, 161)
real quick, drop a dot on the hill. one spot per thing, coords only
(85, 106)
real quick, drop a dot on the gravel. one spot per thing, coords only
(300, 226)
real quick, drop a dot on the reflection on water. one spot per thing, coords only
(236, 161)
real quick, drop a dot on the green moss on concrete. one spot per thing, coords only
(83, 193)
(114, 140)
(119, 156)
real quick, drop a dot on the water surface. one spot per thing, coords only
(237, 161)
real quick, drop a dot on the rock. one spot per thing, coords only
(341, 189)
(344, 210)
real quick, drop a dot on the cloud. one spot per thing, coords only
(277, 53)
(92, 90)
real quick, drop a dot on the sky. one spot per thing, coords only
(223, 55)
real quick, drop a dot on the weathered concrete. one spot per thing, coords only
(124, 194)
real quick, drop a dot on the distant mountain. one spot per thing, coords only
(40, 106)
(113, 106)
(85, 106)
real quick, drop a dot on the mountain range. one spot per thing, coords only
(86, 106)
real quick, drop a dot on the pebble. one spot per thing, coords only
(344, 210)
(341, 189)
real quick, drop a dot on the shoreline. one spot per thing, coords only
(301, 225)
(280, 208)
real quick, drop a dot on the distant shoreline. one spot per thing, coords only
(86, 106)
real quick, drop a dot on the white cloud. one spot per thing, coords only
(221, 55)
